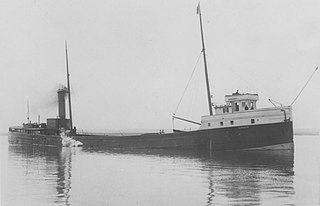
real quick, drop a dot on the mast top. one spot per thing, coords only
(198, 8)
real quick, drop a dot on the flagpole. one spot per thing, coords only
(205, 62)
(28, 116)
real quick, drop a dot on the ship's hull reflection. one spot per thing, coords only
(236, 177)
(279, 158)
(52, 163)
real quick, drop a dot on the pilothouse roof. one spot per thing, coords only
(241, 97)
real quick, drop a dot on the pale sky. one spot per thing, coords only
(131, 60)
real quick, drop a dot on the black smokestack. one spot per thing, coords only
(62, 105)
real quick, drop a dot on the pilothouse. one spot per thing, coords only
(241, 110)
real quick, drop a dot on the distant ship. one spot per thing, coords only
(237, 125)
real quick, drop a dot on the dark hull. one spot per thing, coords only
(235, 138)
(34, 139)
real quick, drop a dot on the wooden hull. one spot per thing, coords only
(224, 139)
(34, 139)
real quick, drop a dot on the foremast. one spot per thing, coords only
(205, 61)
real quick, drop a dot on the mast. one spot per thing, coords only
(68, 82)
(205, 62)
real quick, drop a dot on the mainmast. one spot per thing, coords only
(205, 62)
(68, 82)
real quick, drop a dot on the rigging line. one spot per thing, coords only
(185, 89)
(304, 86)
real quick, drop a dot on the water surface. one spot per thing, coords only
(80, 176)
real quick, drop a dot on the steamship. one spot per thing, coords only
(236, 125)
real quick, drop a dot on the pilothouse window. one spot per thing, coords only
(251, 105)
(237, 106)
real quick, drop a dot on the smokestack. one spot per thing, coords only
(62, 105)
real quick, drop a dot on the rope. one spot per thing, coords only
(188, 83)
(304, 86)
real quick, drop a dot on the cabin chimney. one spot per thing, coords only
(62, 106)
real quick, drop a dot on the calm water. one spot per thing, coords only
(78, 176)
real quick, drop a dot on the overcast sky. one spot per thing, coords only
(131, 60)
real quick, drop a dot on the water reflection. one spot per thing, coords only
(48, 165)
(225, 177)
(246, 177)
(64, 175)
(249, 177)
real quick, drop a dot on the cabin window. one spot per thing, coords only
(237, 106)
(252, 121)
(221, 123)
(209, 124)
(251, 105)
(243, 104)
(231, 122)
